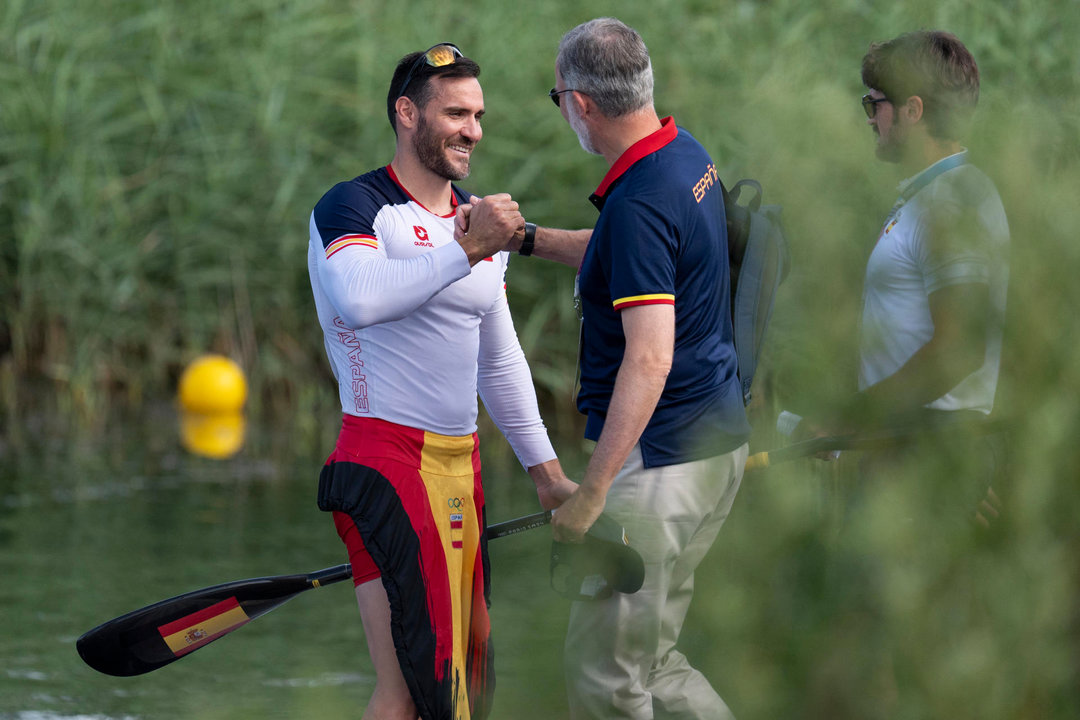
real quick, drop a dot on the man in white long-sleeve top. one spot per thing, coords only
(416, 324)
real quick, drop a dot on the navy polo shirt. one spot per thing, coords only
(661, 238)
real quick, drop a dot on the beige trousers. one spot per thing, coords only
(620, 657)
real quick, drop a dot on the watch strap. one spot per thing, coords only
(529, 241)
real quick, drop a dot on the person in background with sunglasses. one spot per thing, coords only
(658, 376)
(934, 293)
(930, 342)
(415, 324)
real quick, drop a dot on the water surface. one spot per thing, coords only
(96, 522)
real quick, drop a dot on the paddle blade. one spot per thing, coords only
(600, 565)
(156, 635)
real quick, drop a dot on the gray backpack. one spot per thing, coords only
(759, 260)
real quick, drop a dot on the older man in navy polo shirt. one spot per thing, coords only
(658, 375)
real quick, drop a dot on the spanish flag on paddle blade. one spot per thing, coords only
(199, 628)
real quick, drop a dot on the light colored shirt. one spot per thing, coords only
(412, 333)
(952, 230)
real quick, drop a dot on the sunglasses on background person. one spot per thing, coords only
(869, 104)
(435, 56)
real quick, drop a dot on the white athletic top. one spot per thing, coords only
(411, 331)
(954, 197)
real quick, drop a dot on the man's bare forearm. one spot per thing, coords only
(561, 246)
(639, 383)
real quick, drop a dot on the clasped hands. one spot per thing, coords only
(487, 225)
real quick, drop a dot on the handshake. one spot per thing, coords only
(485, 226)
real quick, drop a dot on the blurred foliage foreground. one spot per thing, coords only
(158, 163)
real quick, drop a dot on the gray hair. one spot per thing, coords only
(608, 61)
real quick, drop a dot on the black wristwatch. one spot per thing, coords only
(529, 241)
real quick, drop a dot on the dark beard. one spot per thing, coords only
(430, 151)
(896, 148)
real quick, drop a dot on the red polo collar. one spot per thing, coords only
(645, 146)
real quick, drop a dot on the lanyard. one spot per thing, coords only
(926, 177)
(920, 181)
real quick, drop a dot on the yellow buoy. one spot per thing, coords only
(217, 436)
(212, 384)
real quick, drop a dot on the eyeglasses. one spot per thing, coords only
(554, 95)
(435, 56)
(869, 104)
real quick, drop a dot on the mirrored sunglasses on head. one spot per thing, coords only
(435, 56)
(598, 567)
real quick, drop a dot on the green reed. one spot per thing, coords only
(159, 162)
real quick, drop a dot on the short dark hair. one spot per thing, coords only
(935, 66)
(419, 89)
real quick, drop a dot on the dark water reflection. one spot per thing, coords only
(95, 522)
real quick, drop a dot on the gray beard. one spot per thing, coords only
(582, 133)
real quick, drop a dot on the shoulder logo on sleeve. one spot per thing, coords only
(892, 224)
(422, 236)
(708, 180)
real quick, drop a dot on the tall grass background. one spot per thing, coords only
(159, 160)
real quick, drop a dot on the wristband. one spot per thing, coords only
(529, 241)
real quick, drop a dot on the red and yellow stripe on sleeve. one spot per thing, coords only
(654, 299)
(369, 241)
